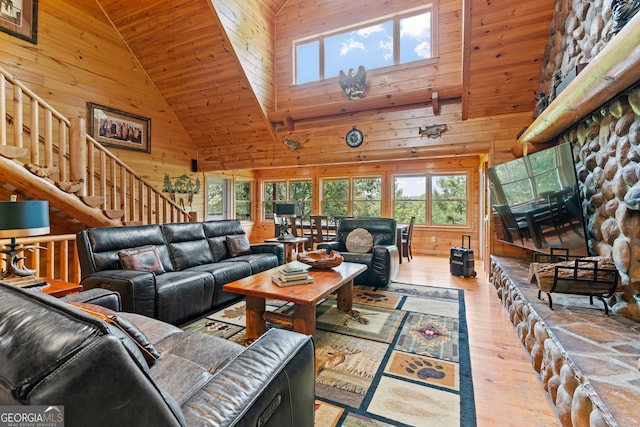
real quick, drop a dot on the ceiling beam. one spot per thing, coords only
(413, 97)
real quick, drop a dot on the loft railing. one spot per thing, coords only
(53, 147)
(58, 259)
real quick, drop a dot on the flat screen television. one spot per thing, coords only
(536, 202)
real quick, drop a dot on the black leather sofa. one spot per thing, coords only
(57, 357)
(193, 259)
(381, 256)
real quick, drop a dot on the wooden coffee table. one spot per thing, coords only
(259, 287)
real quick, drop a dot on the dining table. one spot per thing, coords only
(531, 212)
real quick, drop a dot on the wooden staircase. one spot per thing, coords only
(44, 155)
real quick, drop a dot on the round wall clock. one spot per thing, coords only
(354, 138)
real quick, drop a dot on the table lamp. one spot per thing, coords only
(285, 211)
(21, 219)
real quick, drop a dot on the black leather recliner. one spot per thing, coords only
(382, 260)
(55, 355)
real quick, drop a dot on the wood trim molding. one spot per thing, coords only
(612, 71)
(418, 96)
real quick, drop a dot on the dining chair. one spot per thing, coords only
(510, 225)
(572, 203)
(320, 229)
(558, 209)
(406, 240)
(298, 230)
(277, 225)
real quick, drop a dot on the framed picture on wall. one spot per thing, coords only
(115, 128)
(20, 18)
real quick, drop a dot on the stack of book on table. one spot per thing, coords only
(291, 275)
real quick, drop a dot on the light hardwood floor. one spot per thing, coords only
(506, 388)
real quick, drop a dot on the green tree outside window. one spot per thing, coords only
(243, 200)
(335, 197)
(367, 196)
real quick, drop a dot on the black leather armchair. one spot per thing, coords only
(382, 258)
(54, 354)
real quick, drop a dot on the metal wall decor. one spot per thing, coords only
(182, 184)
(292, 144)
(432, 131)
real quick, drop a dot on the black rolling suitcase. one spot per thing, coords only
(461, 259)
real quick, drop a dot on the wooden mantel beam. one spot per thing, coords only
(418, 96)
(612, 71)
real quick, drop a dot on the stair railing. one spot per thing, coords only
(58, 149)
(59, 259)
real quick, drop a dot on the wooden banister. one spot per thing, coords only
(83, 166)
(59, 259)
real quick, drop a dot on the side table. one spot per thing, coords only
(289, 245)
(59, 288)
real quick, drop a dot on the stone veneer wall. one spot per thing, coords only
(606, 145)
(575, 401)
(578, 31)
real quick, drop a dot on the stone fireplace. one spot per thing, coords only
(606, 138)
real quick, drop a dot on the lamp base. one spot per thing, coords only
(13, 252)
(25, 282)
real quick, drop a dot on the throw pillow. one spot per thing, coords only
(238, 245)
(125, 326)
(359, 241)
(144, 258)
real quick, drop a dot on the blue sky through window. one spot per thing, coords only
(415, 38)
(372, 47)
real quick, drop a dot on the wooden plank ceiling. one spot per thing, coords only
(184, 49)
(186, 52)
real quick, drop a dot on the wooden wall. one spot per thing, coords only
(445, 237)
(391, 131)
(474, 139)
(80, 58)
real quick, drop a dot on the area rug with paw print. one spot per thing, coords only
(400, 358)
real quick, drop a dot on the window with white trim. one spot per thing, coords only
(438, 200)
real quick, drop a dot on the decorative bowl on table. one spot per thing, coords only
(320, 259)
